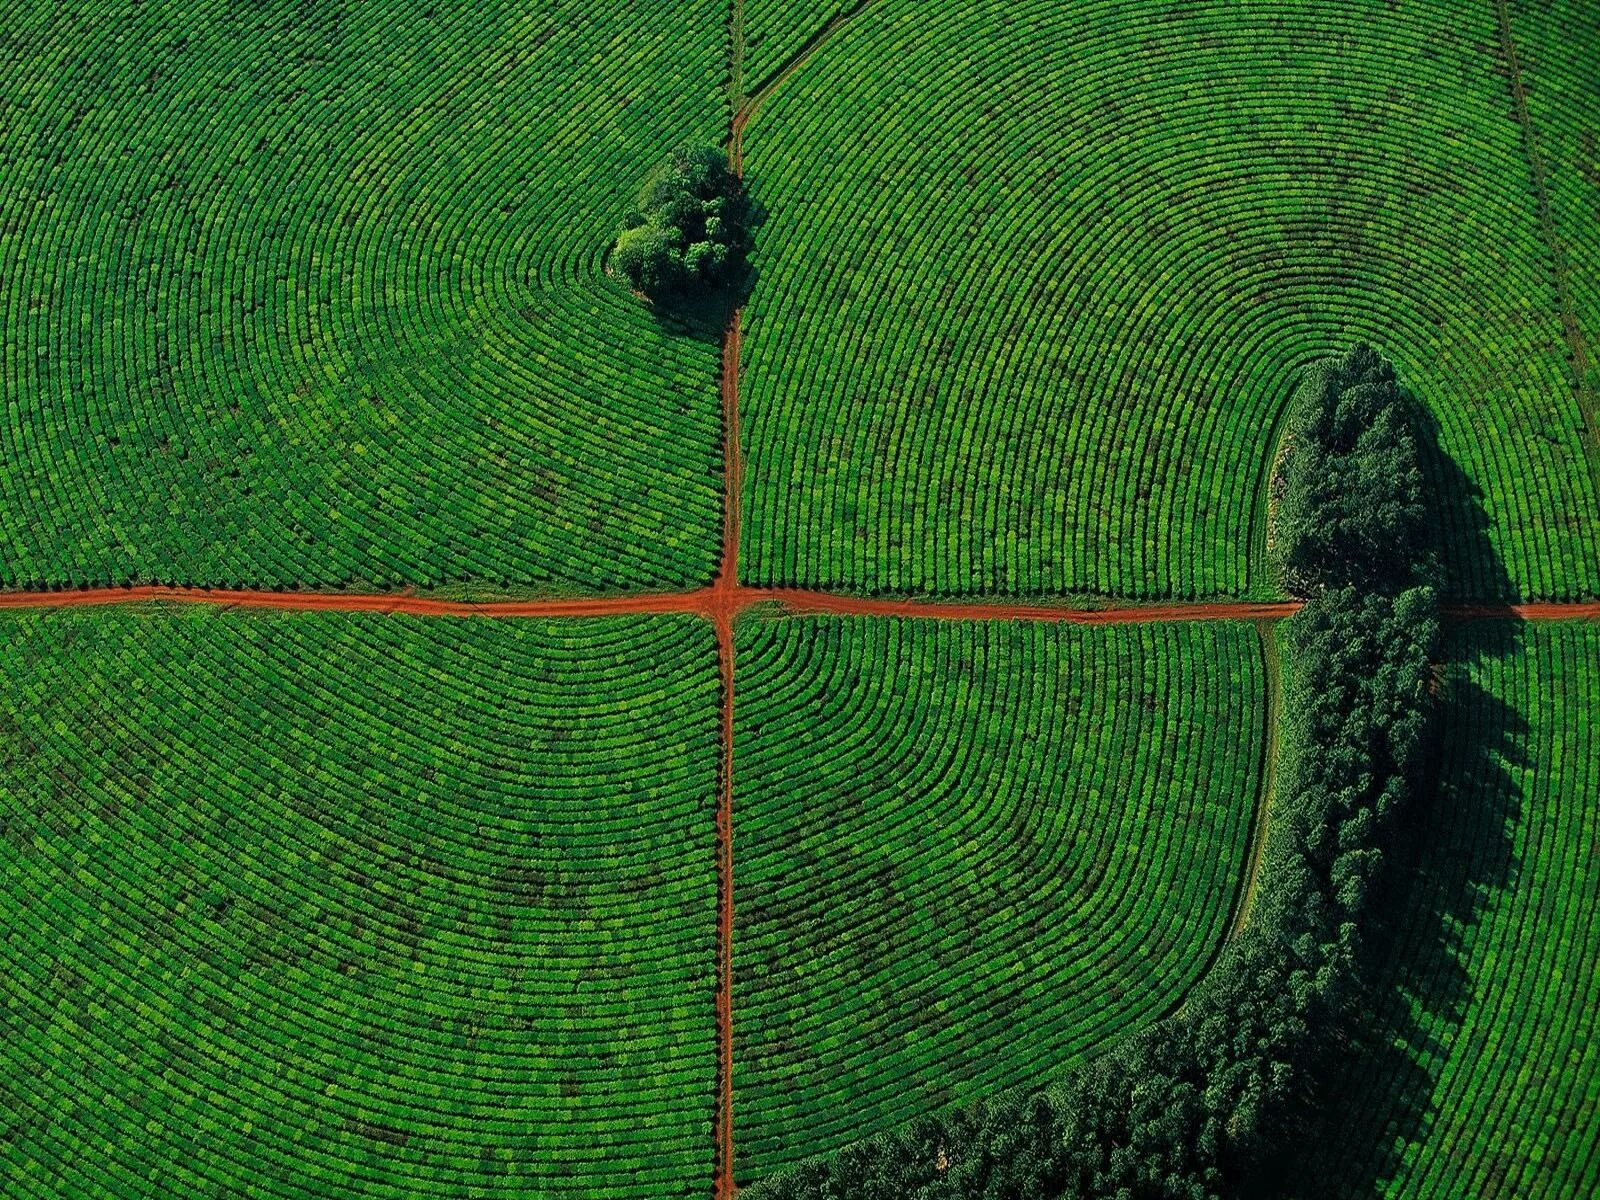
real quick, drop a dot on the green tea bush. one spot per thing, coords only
(969, 854)
(1037, 280)
(691, 231)
(314, 295)
(336, 905)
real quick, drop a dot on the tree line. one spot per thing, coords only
(1191, 1106)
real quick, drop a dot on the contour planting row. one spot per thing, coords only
(339, 905)
(315, 296)
(1557, 43)
(1481, 1076)
(1037, 280)
(967, 854)
(777, 30)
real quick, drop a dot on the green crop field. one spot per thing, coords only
(969, 853)
(1486, 1078)
(639, 600)
(319, 905)
(1037, 279)
(1556, 42)
(776, 31)
(312, 294)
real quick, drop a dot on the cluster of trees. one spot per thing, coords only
(1348, 507)
(1188, 1108)
(691, 231)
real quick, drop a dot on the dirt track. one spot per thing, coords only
(1576, 610)
(725, 599)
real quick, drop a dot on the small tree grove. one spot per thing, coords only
(691, 230)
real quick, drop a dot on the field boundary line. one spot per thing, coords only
(803, 602)
(1547, 226)
(1261, 506)
(1537, 610)
(1271, 683)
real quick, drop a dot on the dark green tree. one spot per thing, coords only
(1349, 491)
(691, 230)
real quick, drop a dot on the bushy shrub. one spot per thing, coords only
(691, 231)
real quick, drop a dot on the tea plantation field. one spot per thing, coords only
(1037, 278)
(306, 294)
(326, 905)
(1483, 1078)
(776, 31)
(968, 853)
(651, 882)
(1556, 41)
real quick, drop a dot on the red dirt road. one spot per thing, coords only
(803, 602)
(1576, 610)
(378, 602)
(721, 602)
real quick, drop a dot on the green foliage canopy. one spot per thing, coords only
(1349, 492)
(691, 231)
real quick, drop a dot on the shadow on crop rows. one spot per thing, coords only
(1452, 855)
(1470, 567)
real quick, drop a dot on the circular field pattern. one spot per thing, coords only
(1037, 279)
(313, 294)
(306, 906)
(968, 853)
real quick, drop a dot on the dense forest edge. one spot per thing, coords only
(1202, 1104)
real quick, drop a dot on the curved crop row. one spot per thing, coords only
(1556, 42)
(1037, 279)
(776, 30)
(313, 294)
(970, 853)
(1485, 1076)
(334, 906)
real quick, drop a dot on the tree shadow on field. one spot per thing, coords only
(705, 317)
(1469, 566)
(1452, 853)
